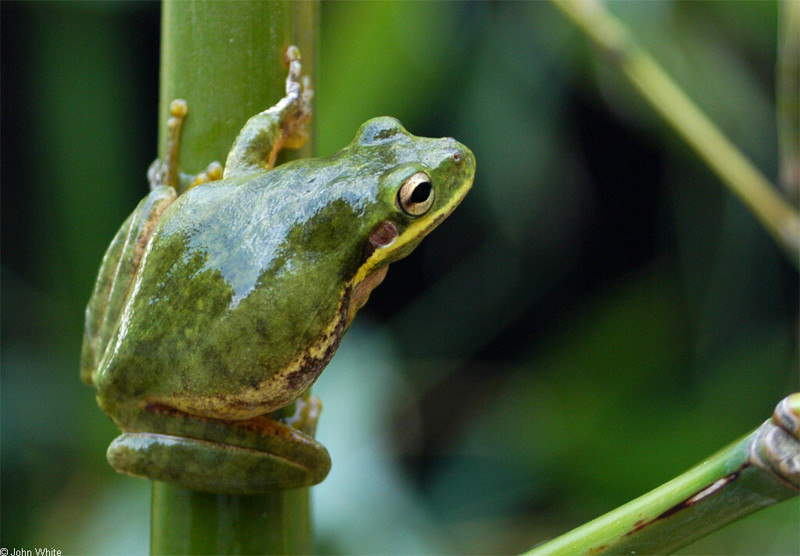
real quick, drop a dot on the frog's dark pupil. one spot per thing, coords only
(421, 192)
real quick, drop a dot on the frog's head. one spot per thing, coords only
(421, 181)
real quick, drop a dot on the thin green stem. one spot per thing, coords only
(225, 59)
(788, 96)
(758, 471)
(666, 97)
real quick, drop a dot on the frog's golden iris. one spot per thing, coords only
(416, 195)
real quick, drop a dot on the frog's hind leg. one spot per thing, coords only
(252, 456)
(165, 172)
(281, 126)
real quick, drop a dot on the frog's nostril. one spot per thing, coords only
(457, 154)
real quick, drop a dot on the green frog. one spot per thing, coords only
(216, 309)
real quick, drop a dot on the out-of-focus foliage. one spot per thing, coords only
(599, 315)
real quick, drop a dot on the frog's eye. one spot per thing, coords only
(416, 194)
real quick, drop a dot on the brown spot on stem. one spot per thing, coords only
(690, 501)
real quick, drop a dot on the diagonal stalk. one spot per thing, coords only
(787, 97)
(763, 468)
(779, 218)
(758, 471)
(225, 59)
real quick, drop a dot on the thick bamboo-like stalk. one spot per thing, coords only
(189, 522)
(225, 59)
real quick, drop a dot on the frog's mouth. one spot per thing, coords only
(386, 244)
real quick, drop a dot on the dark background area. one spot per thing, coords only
(599, 314)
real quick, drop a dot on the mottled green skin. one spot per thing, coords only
(243, 292)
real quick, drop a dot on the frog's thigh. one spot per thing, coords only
(116, 274)
(134, 238)
(209, 466)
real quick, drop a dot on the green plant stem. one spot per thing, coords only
(758, 471)
(787, 95)
(225, 59)
(189, 522)
(654, 84)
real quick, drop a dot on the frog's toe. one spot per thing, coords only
(153, 172)
(308, 91)
(213, 172)
(293, 83)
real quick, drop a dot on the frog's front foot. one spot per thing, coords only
(299, 95)
(281, 126)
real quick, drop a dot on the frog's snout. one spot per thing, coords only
(464, 158)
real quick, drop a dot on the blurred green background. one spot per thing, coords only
(598, 315)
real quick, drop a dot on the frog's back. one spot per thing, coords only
(237, 286)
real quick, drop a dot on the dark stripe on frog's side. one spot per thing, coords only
(306, 368)
(300, 374)
(324, 348)
(277, 389)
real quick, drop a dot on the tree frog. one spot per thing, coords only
(216, 309)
